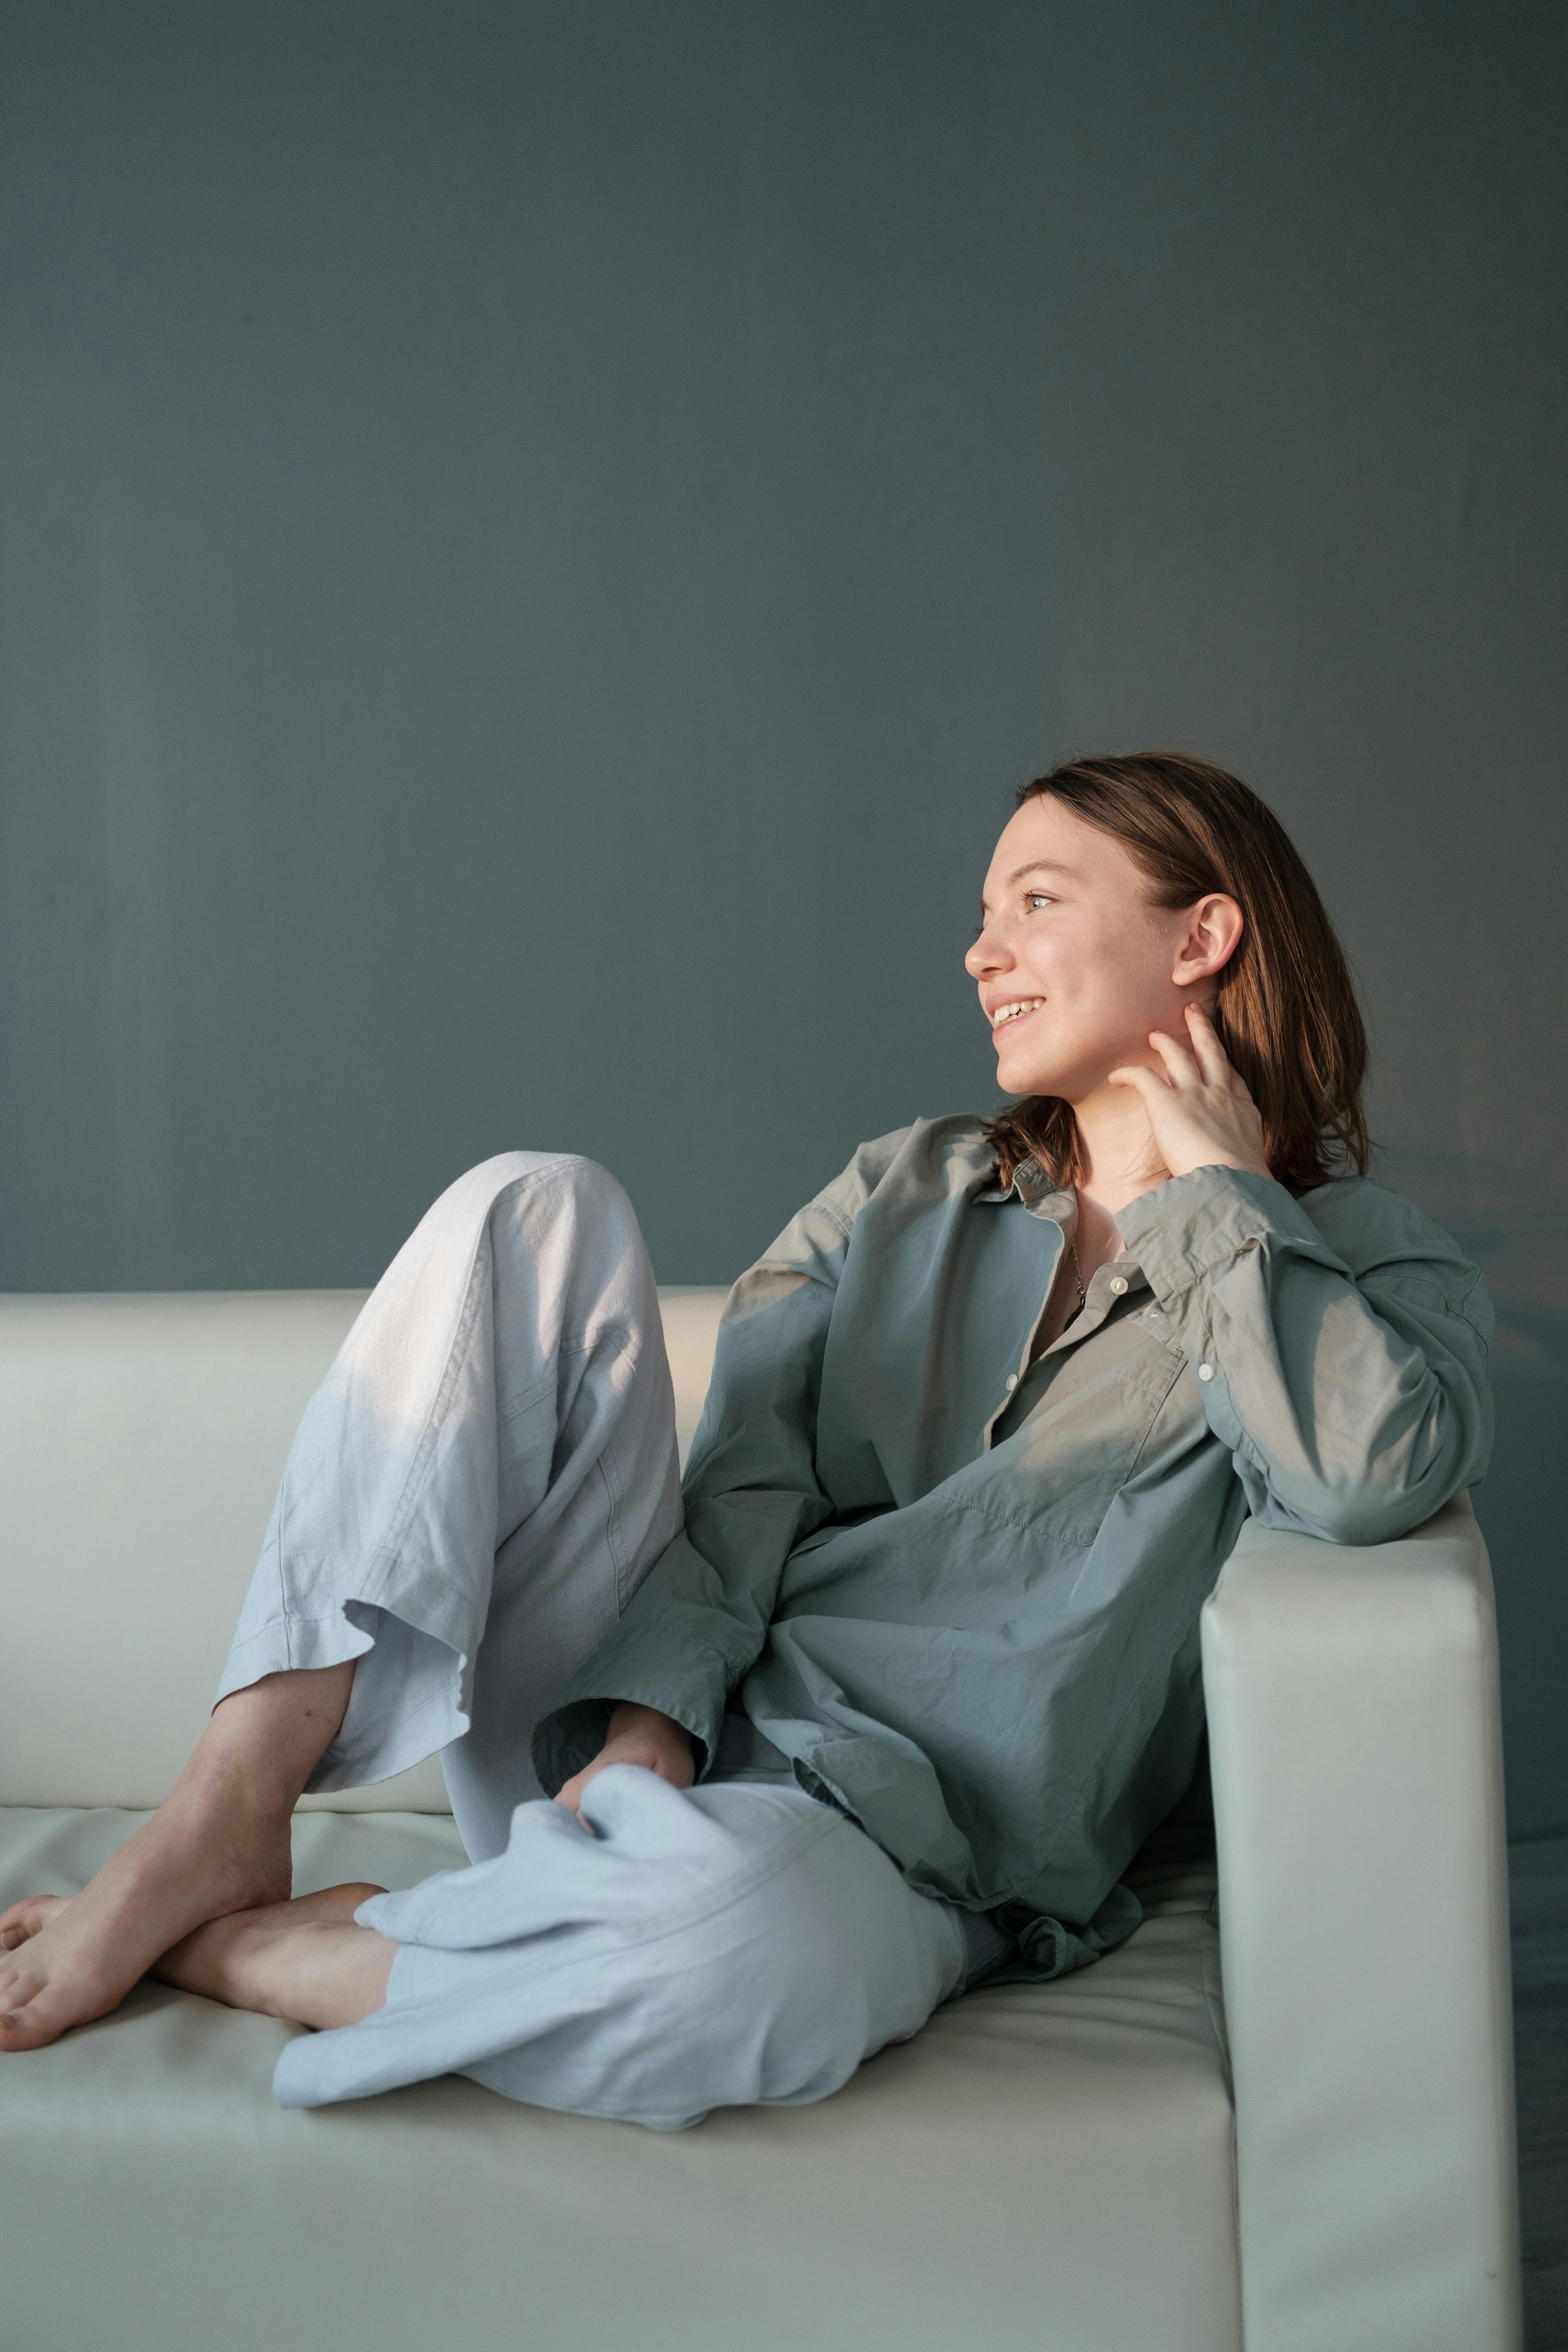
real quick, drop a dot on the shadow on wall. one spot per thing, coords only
(1495, 1211)
(1521, 1503)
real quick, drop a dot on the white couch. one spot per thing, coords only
(1115, 2163)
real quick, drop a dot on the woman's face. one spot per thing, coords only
(1074, 965)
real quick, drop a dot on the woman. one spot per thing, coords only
(895, 1702)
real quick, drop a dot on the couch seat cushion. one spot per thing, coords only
(1050, 2164)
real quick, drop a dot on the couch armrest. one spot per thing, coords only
(1352, 1706)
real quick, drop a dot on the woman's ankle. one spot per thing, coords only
(264, 1741)
(315, 1972)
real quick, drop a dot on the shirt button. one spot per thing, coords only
(1011, 1382)
(1118, 1287)
(1206, 1371)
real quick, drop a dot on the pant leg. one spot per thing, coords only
(727, 1946)
(479, 1486)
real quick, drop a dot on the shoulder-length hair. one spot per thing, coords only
(1287, 1011)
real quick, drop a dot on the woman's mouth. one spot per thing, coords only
(1019, 1010)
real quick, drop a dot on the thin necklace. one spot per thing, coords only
(1078, 1276)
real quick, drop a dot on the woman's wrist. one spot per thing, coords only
(632, 1724)
(641, 1736)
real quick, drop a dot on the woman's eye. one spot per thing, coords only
(1038, 899)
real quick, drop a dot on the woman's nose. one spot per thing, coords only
(984, 956)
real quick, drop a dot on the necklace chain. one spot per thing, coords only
(1078, 1276)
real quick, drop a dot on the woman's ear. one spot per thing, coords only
(1211, 935)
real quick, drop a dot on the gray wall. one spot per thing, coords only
(537, 539)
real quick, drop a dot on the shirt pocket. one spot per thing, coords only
(1070, 1458)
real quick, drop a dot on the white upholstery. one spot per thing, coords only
(1053, 2166)
(141, 1443)
(1358, 1799)
(1050, 2164)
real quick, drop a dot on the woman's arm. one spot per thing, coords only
(1342, 1354)
(697, 1621)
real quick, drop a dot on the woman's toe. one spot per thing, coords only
(24, 2024)
(24, 1919)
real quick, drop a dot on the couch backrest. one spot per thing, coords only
(141, 1443)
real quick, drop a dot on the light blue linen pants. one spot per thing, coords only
(478, 1487)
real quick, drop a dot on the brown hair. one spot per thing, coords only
(1287, 1011)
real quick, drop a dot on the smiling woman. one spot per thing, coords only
(1200, 853)
(887, 1696)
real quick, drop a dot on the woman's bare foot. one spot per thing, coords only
(218, 1844)
(304, 1960)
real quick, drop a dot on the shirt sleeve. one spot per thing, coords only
(698, 1622)
(1340, 1354)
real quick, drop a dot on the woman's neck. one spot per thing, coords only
(1119, 1154)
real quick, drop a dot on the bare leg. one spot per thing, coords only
(218, 1844)
(305, 1960)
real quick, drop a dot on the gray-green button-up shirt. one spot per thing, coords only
(959, 1590)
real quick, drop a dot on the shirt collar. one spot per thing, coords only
(1049, 1202)
(1034, 1188)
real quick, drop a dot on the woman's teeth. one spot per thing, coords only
(1017, 1012)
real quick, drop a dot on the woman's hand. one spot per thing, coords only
(637, 1735)
(1200, 1114)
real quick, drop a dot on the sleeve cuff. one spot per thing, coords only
(574, 1730)
(1194, 1225)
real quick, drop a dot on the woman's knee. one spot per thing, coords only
(575, 1226)
(554, 1203)
(566, 1176)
